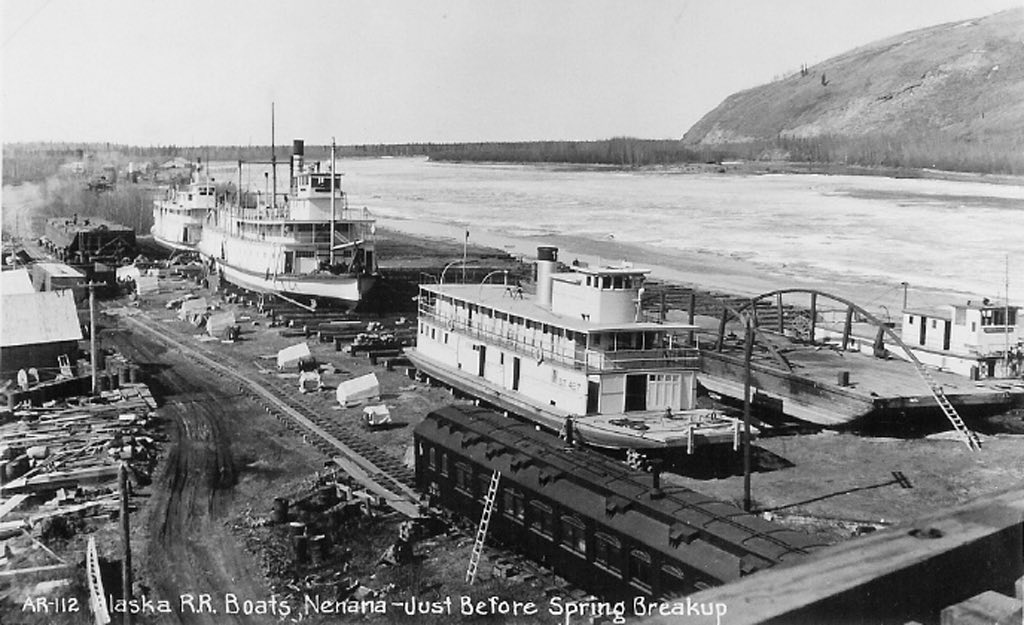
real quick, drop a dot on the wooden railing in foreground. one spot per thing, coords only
(936, 566)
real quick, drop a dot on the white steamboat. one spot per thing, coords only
(305, 245)
(179, 215)
(578, 356)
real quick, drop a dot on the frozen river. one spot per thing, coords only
(860, 235)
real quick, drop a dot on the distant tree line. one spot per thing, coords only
(935, 150)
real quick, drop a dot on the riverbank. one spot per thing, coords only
(695, 269)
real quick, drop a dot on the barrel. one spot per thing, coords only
(301, 548)
(318, 549)
(327, 496)
(279, 514)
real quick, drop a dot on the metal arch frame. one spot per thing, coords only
(970, 438)
(851, 306)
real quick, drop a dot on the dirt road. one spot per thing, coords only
(184, 542)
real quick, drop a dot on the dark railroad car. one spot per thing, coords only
(596, 522)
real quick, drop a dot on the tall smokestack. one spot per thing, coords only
(298, 151)
(547, 260)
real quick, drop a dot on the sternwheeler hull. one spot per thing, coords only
(170, 244)
(640, 431)
(348, 290)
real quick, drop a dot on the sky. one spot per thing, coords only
(205, 72)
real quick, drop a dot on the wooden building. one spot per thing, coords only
(35, 330)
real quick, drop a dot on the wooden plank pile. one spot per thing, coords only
(77, 444)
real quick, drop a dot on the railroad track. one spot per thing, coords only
(330, 436)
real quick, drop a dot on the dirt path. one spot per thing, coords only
(185, 542)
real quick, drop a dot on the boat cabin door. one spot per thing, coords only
(482, 364)
(289, 261)
(593, 396)
(636, 392)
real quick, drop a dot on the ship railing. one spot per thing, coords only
(510, 341)
(593, 361)
(636, 359)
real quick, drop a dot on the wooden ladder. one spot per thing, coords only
(481, 531)
(970, 437)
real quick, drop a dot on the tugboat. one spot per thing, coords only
(579, 357)
(305, 246)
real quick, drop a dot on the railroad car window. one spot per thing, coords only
(512, 505)
(640, 569)
(463, 478)
(444, 463)
(574, 535)
(542, 521)
(672, 579)
(608, 553)
(483, 482)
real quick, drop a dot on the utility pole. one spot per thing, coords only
(748, 349)
(126, 559)
(93, 352)
(904, 285)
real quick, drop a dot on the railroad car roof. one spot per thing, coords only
(709, 534)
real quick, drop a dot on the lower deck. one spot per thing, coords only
(644, 429)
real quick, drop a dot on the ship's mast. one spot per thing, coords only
(273, 160)
(331, 244)
(1006, 320)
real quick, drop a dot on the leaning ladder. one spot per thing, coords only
(970, 437)
(481, 531)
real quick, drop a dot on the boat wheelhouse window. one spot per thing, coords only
(463, 478)
(445, 338)
(911, 322)
(640, 569)
(998, 317)
(590, 281)
(617, 282)
(513, 505)
(444, 463)
(606, 282)
(573, 535)
(542, 520)
(433, 333)
(608, 553)
(433, 458)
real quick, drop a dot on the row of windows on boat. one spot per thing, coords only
(566, 529)
(612, 341)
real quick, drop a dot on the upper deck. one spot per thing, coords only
(505, 316)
